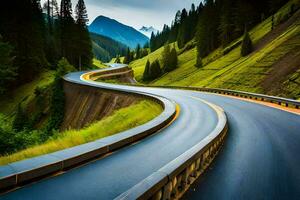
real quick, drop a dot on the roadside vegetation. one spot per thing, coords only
(121, 120)
(38, 116)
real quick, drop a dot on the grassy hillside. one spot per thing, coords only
(121, 120)
(98, 64)
(276, 54)
(25, 93)
(113, 60)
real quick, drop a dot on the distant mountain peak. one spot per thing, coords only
(108, 27)
(148, 30)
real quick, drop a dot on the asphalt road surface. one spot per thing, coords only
(260, 159)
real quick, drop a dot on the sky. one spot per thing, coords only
(137, 13)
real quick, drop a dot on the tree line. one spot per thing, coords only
(169, 62)
(105, 48)
(35, 40)
(214, 23)
(137, 53)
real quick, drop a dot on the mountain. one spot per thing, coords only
(105, 48)
(148, 30)
(122, 33)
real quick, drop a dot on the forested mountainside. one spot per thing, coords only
(105, 48)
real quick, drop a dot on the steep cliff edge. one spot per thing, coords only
(85, 105)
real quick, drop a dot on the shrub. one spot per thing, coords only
(64, 67)
(57, 107)
(57, 101)
(6, 137)
(12, 141)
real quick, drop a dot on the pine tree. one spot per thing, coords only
(83, 42)
(155, 70)
(22, 25)
(144, 52)
(226, 26)
(152, 42)
(49, 17)
(131, 55)
(246, 45)
(66, 9)
(55, 9)
(146, 45)
(138, 51)
(166, 59)
(169, 59)
(81, 14)
(146, 74)
(51, 43)
(7, 69)
(127, 58)
(207, 29)
(183, 29)
(67, 30)
(51, 8)
(173, 58)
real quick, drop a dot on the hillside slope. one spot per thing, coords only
(273, 68)
(105, 48)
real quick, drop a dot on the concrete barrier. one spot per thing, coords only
(22, 172)
(260, 97)
(172, 180)
(271, 99)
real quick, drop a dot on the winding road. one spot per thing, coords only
(260, 158)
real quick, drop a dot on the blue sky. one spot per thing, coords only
(137, 13)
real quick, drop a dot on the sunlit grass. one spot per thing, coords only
(113, 60)
(98, 64)
(119, 121)
(231, 71)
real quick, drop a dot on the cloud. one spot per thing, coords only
(137, 13)
(141, 4)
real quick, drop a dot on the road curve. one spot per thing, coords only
(259, 161)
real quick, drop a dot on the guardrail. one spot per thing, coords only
(172, 180)
(261, 97)
(111, 73)
(271, 99)
(22, 172)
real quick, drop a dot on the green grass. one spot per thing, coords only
(24, 93)
(231, 71)
(120, 120)
(98, 64)
(113, 60)
(139, 65)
